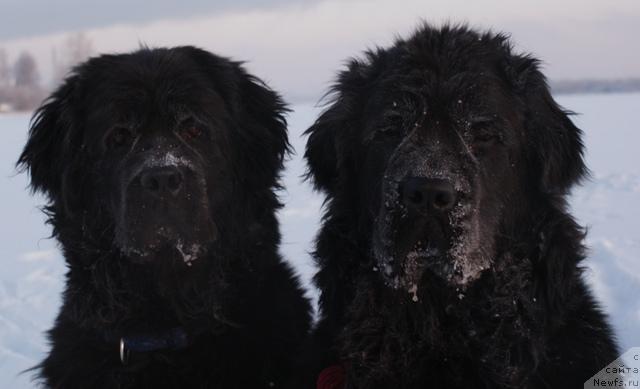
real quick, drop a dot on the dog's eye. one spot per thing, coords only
(392, 131)
(384, 134)
(393, 127)
(190, 130)
(487, 139)
(484, 141)
(119, 137)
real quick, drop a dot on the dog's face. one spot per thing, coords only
(163, 165)
(436, 149)
(444, 164)
(151, 152)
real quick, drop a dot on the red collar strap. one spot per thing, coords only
(332, 377)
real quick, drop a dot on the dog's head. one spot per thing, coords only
(160, 153)
(438, 145)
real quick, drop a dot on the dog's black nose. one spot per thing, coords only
(161, 181)
(428, 193)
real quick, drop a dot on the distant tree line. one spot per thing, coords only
(596, 86)
(22, 89)
(21, 86)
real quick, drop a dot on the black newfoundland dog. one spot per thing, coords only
(447, 257)
(160, 167)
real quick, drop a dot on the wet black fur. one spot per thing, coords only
(529, 321)
(241, 303)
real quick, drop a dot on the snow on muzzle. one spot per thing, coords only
(428, 221)
(164, 208)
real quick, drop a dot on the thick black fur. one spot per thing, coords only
(239, 303)
(526, 321)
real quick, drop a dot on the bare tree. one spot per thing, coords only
(26, 92)
(5, 71)
(5, 80)
(76, 48)
(25, 71)
(79, 48)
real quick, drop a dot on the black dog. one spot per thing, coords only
(160, 167)
(447, 256)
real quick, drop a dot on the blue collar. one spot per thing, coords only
(172, 339)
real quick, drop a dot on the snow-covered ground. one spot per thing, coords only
(31, 269)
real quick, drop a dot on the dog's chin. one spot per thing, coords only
(408, 247)
(156, 240)
(404, 266)
(163, 245)
(176, 252)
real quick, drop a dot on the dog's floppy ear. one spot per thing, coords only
(48, 150)
(321, 153)
(554, 140)
(264, 110)
(324, 152)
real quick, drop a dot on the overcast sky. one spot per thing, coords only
(19, 18)
(297, 46)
